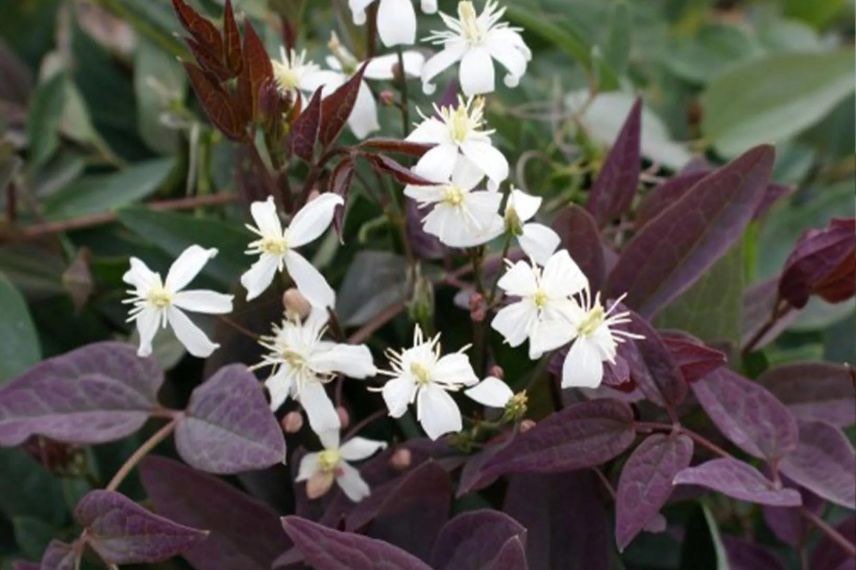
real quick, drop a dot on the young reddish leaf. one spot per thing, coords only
(98, 393)
(123, 532)
(196, 499)
(60, 556)
(580, 236)
(666, 194)
(304, 131)
(255, 70)
(814, 391)
(823, 262)
(413, 149)
(772, 194)
(336, 107)
(694, 358)
(340, 183)
(745, 555)
(231, 40)
(199, 27)
(228, 426)
(218, 105)
(652, 367)
(327, 549)
(747, 414)
(401, 174)
(823, 463)
(673, 250)
(207, 61)
(616, 183)
(828, 554)
(471, 540)
(646, 482)
(740, 481)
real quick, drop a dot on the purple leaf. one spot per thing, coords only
(401, 174)
(615, 187)
(759, 301)
(673, 250)
(652, 367)
(25, 565)
(828, 555)
(327, 549)
(472, 539)
(745, 555)
(747, 414)
(336, 108)
(304, 131)
(219, 107)
(823, 463)
(694, 358)
(512, 556)
(409, 148)
(581, 435)
(60, 556)
(425, 245)
(98, 393)
(228, 426)
(123, 532)
(196, 499)
(665, 195)
(565, 519)
(820, 391)
(580, 236)
(256, 69)
(788, 523)
(646, 482)
(738, 480)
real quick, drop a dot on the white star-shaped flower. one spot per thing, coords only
(294, 74)
(491, 392)
(461, 216)
(538, 241)
(476, 40)
(320, 469)
(422, 375)
(396, 19)
(157, 302)
(595, 340)
(457, 131)
(544, 310)
(276, 248)
(302, 363)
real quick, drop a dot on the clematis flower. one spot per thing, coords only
(491, 392)
(276, 248)
(302, 362)
(422, 375)
(544, 310)
(595, 340)
(396, 19)
(536, 240)
(476, 40)
(320, 469)
(461, 216)
(157, 302)
(457, 131)
(294, 74)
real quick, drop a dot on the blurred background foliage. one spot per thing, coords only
(99, 135)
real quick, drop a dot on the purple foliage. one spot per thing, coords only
(472, 540)
(739, 480)
(60, 556)
(694, 359)
(828, 555)
(745, 555)
(580, 236)
(652, 366)
(814, 391)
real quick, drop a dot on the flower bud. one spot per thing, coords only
(478, 307)
(387, 97)
(292, 422)
(526, 425)
(344, 416)
(421, 305)
(496, 371)
(401, 459)
(296, 305)
(516, 406)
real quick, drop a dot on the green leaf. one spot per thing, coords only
(709, 52)
(771, 99)
(563, 37)
(32, 536)
(617, 49)
(159, 81)
(28, 489)
(104, 192)
(815, 13)
(174, 232)
(19, 348)
(43, 119)
(702, 547)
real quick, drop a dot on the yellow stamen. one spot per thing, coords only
(453, 195)
(592, 321)
(421, 372)
(160, 297)
(286, 77)
(469, 22)
(540, 298)
(274, 245)
(293, 358)
(328, 460)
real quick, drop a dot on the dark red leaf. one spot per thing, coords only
(580, 236)
(673, 250)
(255, 70)
(340, 183)
(471, 540)
(336, 107)
(207, 61)
(304, 130)
(231, 40)
(398, 146)
(202, 30)
(740, 481)
(217, 104)
(814, 391)
(616, 183)
(652, 366)
(666, 194)
(694, 358)
(401, 174)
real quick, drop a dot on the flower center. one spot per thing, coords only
(512, 222)
(453, 195)
(287, 77)
(540, 298)
(460, 124)
(421, 372)
(469, 22)
(592, 321)
(274, 245)
(293, 359)
(328, 460)
(160, 297)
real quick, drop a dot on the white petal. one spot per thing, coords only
(309, 281)
(437, 164)
(602, 338)
(280, 386)
(354, 361)
(525, 205)
(381, 68)
(430, 131)
(562, 277)
(147, 326)
(352, 484)
(260, 275)
(329, 80)
(312, 219)
(190, 335)
(476, 73)
(549, 334)
(429, 6)
(491, 392)
(308, 466)
(187, 266)
(139, 275)
(329, 438)
(396, 22)
(583, 367)
(424, 194)
(449, 56)
(510, 57)
(204, 301)
(397, 394)
(319, 408)
(514, 321)
(437, 411)
(539, 242)
(466, 175)
(486, 157)
(454, 369)
(358, 448)
(363, 119)
(519, 280)
(358, 10)
(266, 218)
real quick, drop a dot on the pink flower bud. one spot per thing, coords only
(526, 425)
(387, 97)
(401, 459)
(478, 307)
(497, 372)
(292, 422)
(296, 304)
(344, 416)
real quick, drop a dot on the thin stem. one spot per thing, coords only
(405, 100)
(238, 327)
(377, 322)
(503, 255)
(605, 480)
(141, 452)
(830, 532)
(698, 438)
(360, 425)
(780, 309)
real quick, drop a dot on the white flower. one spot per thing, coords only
(295, 75)
(461, 216)
(302, 363)
(491, 392)
(396, 19)
(158, 302)
(543, 313)
(596, 341)
(456, 131)
(422, 375)
(320, 469)
(538, 241)
(475, 41)
(276, 248)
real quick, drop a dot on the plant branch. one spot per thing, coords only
(141, 452)
(780, 309)
(829, 531)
